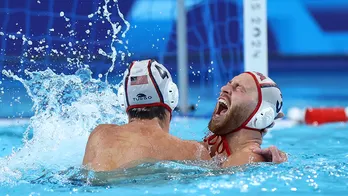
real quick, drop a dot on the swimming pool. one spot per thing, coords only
(45, 156)
(42, 155)
(317, 164)
(46, 151)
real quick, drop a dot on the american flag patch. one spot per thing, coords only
(137, 80)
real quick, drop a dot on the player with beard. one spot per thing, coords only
(248, 104)
(148, 96)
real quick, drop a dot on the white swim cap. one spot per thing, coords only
(147, 83)
(269, 105)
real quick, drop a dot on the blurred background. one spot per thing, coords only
(307, 45)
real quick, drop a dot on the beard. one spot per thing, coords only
(232, 120)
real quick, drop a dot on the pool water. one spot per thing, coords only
(317, 164)
(42, 155)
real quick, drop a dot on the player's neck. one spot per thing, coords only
(243, 138)
(163, 124)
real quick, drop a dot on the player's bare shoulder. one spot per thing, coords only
(104, 131)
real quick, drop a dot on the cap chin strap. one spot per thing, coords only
(223, 144)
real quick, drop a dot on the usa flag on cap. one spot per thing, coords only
(138, 80)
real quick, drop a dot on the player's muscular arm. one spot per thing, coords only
(198, 151)
(189, 150)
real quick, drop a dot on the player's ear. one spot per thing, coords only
(280, 115)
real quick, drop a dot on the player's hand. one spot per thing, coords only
(271, 154)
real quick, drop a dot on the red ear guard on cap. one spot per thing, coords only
(269, 103)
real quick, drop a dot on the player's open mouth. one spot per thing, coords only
(222, 107)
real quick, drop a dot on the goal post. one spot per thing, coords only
(255, 36)
(182, 58)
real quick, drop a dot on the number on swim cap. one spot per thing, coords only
(162, 73)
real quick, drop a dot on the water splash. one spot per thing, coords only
(67, 108)
(76, 44)
(116, 28)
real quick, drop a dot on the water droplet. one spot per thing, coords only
(61, 14)
(87, 31)
(211, 62)
(90, 24)
(100, 75)
(30, 43)
(24, 39)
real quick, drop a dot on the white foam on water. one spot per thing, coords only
(67, 108)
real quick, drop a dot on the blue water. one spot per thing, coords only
(317, 164)
(48, 118)
(43, 156)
